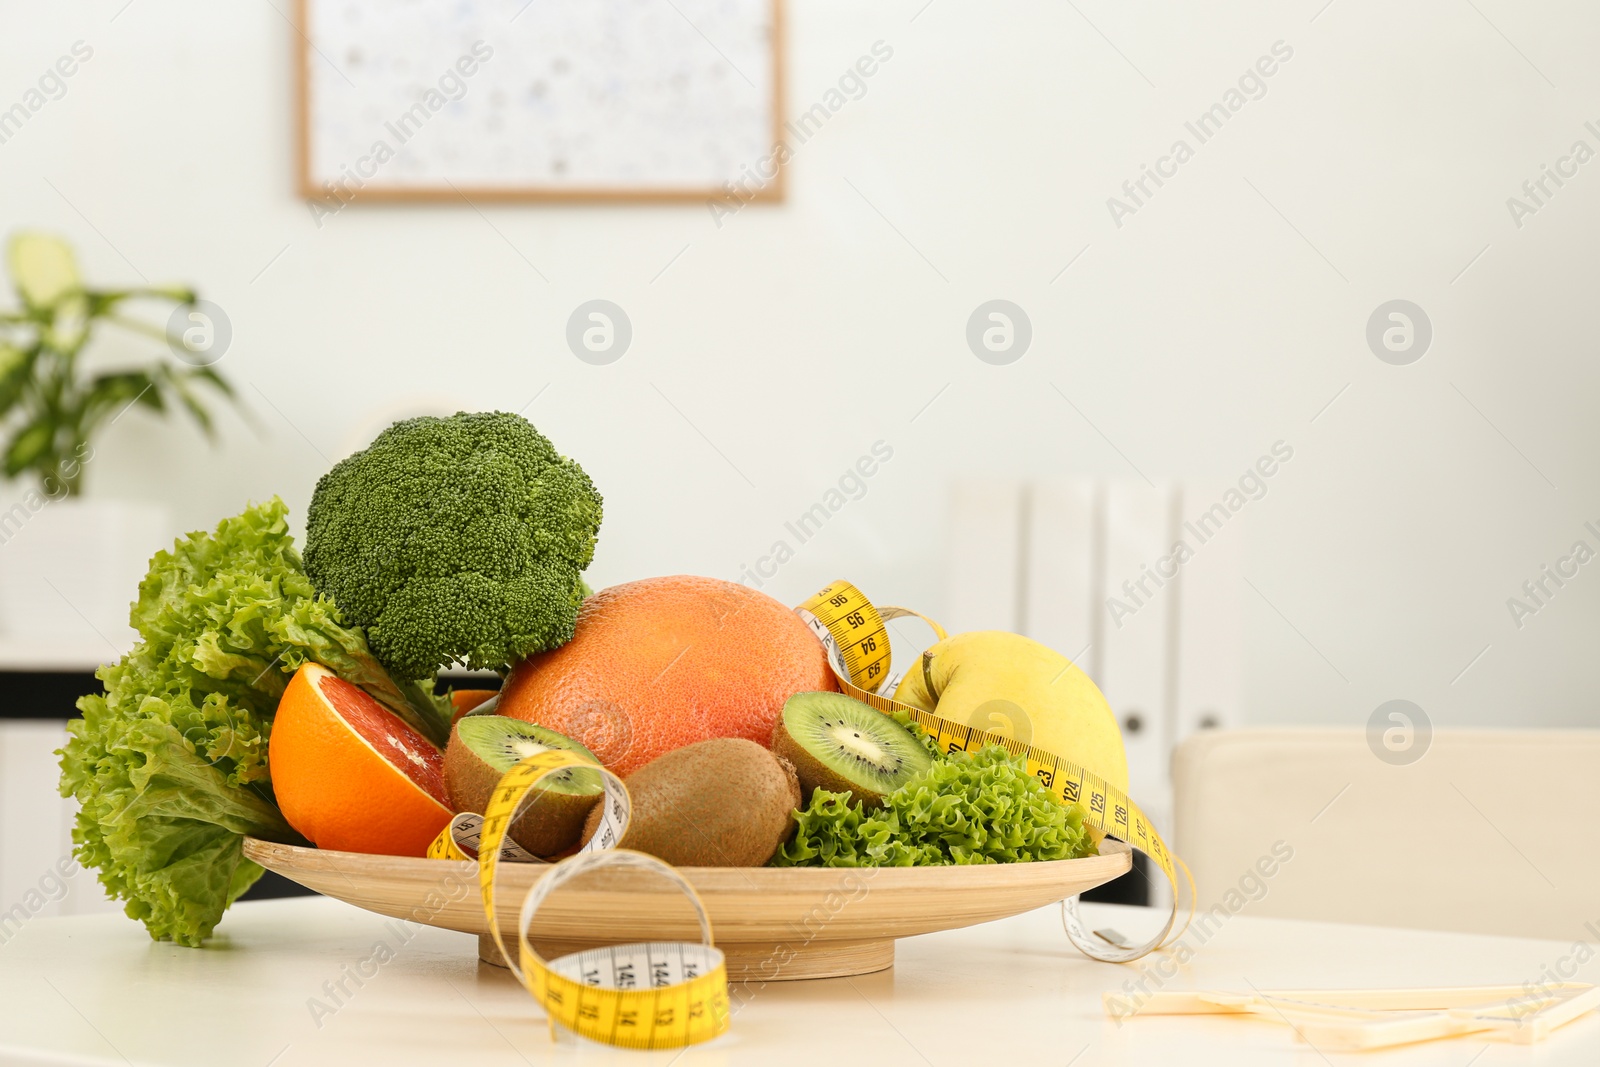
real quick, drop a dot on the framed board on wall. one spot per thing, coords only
(670, 100)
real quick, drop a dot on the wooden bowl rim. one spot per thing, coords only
(1113, 853)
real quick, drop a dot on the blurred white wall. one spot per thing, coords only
(771, 352)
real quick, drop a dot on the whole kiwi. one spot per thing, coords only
(726, 802)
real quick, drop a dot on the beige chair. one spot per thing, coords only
(1493, 832)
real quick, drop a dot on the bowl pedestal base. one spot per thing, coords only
(753, 961)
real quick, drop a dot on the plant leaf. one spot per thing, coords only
(69, 324)
(30, 446)
(218, 382)
(105, 301)
(16, 367)
(12, 359)
(119, 389)
(43, 268)
(196, 409)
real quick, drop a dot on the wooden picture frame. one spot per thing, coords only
(310, 188)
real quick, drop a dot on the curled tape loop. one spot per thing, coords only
(660, 994)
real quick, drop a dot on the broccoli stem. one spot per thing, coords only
(429, 714)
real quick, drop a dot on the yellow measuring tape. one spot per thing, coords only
(857, 639)
(672, 994)
(462, 837)
(654, 995)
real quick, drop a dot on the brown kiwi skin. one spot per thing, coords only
(814, 774)
(725, 802)
(550, 823)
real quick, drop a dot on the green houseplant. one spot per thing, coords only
(67, 563)
(50, 407)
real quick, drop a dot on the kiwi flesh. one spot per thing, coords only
(725, 802)
(840, 744)
(482, 748)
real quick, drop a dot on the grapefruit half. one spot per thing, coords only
(349, 774)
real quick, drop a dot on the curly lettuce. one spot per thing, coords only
(170, 762)
(982, 807)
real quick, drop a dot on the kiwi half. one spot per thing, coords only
(484, 747)
(840, 744)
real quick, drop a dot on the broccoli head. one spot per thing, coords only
(457, 539)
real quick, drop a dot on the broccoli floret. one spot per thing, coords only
(455, 539)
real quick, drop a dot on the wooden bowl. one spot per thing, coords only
(773, 924)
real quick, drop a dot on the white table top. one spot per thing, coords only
(95, 990)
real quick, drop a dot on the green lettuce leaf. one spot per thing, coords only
(982, 807)
(170, 763)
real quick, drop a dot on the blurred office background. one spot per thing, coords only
(1176, 339)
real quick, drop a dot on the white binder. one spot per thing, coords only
(1062, 592)
(985, 571)
(1138, 621)
(1209, 637)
